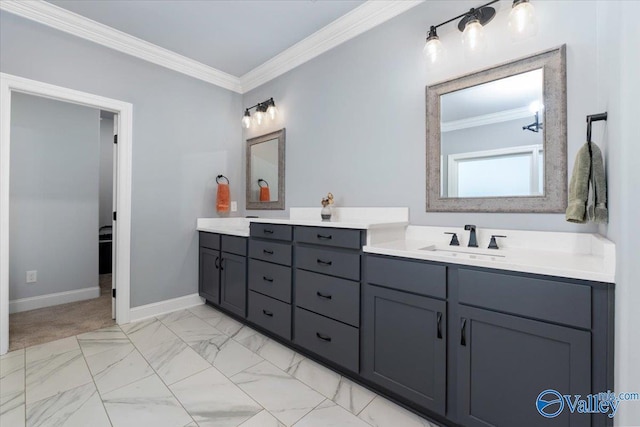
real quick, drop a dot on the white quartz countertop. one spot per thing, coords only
(353, 224)
(230, 226)
(572, 255)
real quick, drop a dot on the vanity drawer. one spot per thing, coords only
(328, 338)
(271, 231)
(329, 296)
(234, 244)
(404, 275)
(541, 299)
(270, 279)
(280, 253)
(337, 237)
(209, 240)
(326, 261)
(270, 313)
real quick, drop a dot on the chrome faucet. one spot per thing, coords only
(473, 242)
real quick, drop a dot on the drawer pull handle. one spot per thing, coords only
(267, 279)
(267, 313)
(268, 231)
(268, 252)
(322, 262)
(217, 262)
(321, 295)
(322, 236)
(439, 322)
(323, 337)
(463, 333)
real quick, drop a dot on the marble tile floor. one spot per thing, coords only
(195, 367)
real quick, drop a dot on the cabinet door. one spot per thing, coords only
(233, 283)
(404, 346)
(505, 362)
(209, 280)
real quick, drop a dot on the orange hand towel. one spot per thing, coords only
(265, 196)
(223, 198)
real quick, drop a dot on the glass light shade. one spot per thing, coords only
(473, 36)
(258, 117)
(433, 49)
(246, 122)
(272, 111)
(536, 106)
(522, 21)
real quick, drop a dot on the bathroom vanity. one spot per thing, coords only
(465, 336)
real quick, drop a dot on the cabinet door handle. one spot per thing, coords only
(217, 262)
(268, 231)
(463, 332)
(267, 313)
(322, 262)
(267, 279)
(321, 295)
(439, 322)
(323, 337)
(268, 252)
(325, 237)
(221, 264)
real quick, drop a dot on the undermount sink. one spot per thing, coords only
(465, 253)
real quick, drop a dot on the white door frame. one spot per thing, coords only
(9, 84)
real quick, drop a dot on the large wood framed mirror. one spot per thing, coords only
(265, 171)
(497, 138)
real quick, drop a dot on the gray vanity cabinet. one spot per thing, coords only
(209, 277)
(404, 345)
(505, 362)
(223, 271)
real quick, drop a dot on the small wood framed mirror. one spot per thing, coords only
(265, 171)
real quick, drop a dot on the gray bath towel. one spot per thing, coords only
(588, 187)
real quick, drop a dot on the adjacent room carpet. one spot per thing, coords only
(39, 326)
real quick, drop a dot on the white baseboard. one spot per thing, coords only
(41, 301)
(164, 307)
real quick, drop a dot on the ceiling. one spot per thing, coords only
(231, 36)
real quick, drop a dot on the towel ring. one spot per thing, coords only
(221, 176)
(261, 181)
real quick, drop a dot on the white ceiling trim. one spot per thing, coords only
(354, 23)
(72, 23)
(487, 119)
(361, 19)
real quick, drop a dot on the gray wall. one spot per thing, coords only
(185, 132)
(55, 154)
(618, 65)
(106, 171)
(355, 116)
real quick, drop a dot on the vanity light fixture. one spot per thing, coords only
(522, 24)
(536, 108)
(265, 108)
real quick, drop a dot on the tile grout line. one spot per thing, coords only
(84, 357)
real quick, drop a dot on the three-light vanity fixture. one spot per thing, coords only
(522, 25)
(265, 108)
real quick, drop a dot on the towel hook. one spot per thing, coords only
(594, 118)
(221, 176)
(261, 181)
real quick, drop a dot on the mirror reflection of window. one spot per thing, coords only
(492, 140)
(264, 167)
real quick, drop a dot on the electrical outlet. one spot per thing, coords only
(32, 276)
(234, 206)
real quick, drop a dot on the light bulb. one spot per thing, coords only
(473, 36)
(522, 20)
(536, 106)
(272, 111)
(258, 117)
(433, 49)
(246, 121)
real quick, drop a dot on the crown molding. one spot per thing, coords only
(487, 119)
(370, 14)
(361, 19)
(77, 25)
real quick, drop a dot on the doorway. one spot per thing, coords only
(121, 114)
